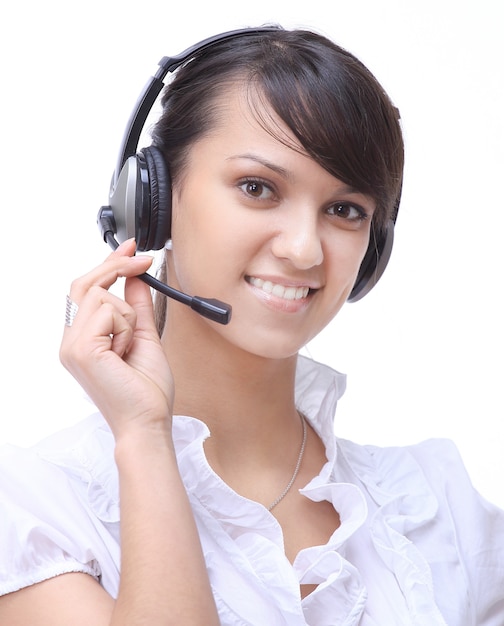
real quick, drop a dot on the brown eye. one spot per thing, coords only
(347, 211)
(256, 189)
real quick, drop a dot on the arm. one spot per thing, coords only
(163, 578)
(113, 350)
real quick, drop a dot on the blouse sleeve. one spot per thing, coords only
(477, 529)
(45, 529)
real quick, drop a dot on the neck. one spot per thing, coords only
(247, 401)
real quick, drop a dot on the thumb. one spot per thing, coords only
(138, 295)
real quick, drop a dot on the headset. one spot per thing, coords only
(140, 194)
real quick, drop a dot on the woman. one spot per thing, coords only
(210, 488)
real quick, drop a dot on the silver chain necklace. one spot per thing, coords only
(296, 469)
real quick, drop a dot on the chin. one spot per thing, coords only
(273, 337)
(273, 346)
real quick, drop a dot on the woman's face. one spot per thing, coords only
(266, 229)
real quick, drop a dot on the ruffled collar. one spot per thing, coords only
(318, 389)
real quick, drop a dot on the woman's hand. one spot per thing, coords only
(113, 349)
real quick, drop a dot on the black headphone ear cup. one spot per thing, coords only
(153, 200)
(374, 262)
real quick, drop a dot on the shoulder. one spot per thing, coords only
(424, 493)
(432, 469)
(425, 461)
(54, 498)
(76, 463)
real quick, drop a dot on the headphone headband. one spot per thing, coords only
(155, 84)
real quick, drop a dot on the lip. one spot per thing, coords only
(280, 293)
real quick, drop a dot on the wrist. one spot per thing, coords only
(142, 443)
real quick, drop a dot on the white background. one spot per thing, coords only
(423, 352)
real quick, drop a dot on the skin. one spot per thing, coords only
(247, 209)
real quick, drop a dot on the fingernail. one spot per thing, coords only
(143, 256)
(127, 242)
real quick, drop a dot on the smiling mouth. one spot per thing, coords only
(280, 291)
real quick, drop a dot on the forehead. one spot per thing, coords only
(242, 109)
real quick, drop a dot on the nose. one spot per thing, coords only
(298, 240)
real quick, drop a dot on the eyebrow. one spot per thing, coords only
(347, 189)
(262, 161)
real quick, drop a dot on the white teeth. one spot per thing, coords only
(287, 293)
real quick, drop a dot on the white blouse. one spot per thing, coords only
(417, 546)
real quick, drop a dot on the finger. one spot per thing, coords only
(98, 334)
(121, 326)
(90, 303)
(127, 248)
(119, 263)
(138, 295)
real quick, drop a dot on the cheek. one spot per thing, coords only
(199, 216)
(202, 254)
(344, 258)
(185, 255)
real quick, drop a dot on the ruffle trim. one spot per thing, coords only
(57, 568)
(401, 511)
(88, 454)
(231, 521)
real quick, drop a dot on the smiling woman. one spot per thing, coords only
(209, 486)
